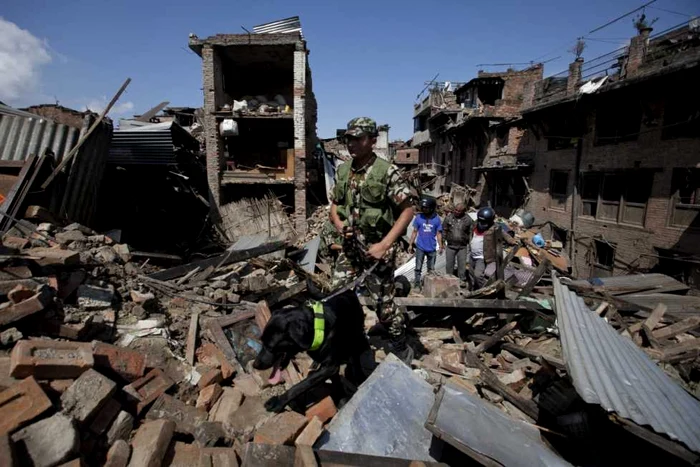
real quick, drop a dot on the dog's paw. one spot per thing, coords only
(275, 404)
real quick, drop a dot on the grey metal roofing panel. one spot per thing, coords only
(610, 370)
(678, 306)
(152, 144)
(483, 428)
(282, 26)
(23, 133)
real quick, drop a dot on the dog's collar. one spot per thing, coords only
(319, 325)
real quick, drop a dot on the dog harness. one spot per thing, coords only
(319, 325)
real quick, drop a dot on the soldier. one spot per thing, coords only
(373, 202)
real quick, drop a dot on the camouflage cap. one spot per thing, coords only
(360, 126)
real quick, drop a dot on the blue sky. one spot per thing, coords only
(367, 57)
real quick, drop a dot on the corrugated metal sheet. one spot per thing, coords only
(610, 370)
(279, 27)
(153, 144)
(23, 133)
(472, 422)
(678, 306)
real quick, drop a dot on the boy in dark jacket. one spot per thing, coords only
(457, 229)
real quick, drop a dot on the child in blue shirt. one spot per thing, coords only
(426, 237)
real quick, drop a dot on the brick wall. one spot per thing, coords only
(632, 242)
(300, 134)
(211, 64)
(406, 156)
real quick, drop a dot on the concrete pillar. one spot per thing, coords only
(300, 141)
(574, 78)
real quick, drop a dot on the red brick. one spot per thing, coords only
(127, 363)
(281, 429)
(227, 404)
(20, 293)
(149, 388)
(118, 455)
(151, 443)
(59, 386)
(210, 377)
(211, 355)
(324, 410)
(218, 457)
(208, 397)
(247, 384)
(433, 286)
(182, 455)
(46, 359)
(105, 417)
(27, 307)
(53, 256)
(6, 381)
(311, 433)
(21, 403)
(7, 452)
(18, 243)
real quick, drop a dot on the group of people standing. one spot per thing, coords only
(462, 240)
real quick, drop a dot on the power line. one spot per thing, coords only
(671, 11)
(621, 17)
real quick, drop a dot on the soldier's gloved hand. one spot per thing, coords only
(377, 250)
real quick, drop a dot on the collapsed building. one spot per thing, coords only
(606, 152)
(259, 117)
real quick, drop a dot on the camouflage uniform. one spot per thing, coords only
(396, 195)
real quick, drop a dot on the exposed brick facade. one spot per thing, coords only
(216, 75)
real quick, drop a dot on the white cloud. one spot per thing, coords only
(21, 57)
(120, 108)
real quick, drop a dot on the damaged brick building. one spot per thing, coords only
(606, 152)
(617, 166)
(259, 117)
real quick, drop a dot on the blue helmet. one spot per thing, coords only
(485, 218)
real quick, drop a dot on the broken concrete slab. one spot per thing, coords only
(50, 441)
(385, 417)
(21, 403)
(87, 395)
(185, 416)
(92, 297)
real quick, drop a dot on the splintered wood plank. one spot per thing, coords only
(192, 338)
(493, 340)
(686, 325)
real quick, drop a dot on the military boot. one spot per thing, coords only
(399, 347)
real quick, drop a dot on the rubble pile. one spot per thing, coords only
(110, 359)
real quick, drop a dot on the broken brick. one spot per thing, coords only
(88, 394)
(70, 284)
(208, 396)
(324, 410)
(6, 381)
(182, 455)
(247, 385)
(21, 403)
(210, 377)
(53, 256)
(127, 363)
(209, 433)
(211, 355)
(105, 417)
(218, 457)
(20, 293)
(46, 359)
(59, 386)
(118, 454)
(185, 416)
(92, 297)
(249, 416)
(227, 404)
(147, 389)
(49, 441)
(311, 433)
(9, 337)
(17, 243)
(34, 304)
(434, 286)
(283, 428)
(121, 427)
(151, 443)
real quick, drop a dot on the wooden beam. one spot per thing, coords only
(222, 342)
(492, 381)
(482, 304)
(673, 448)
(291, 292)
(191, 347)
(601, 308)
(87, 134)
(675, 350)
(524, 352)
(680, 327)
(234, 318)
(535, 278)
(226, 258)
(655, 317)
(497, 336)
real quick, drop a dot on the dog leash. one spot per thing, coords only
(351, 285)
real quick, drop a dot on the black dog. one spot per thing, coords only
(290, 332)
